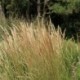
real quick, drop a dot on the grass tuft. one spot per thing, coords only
(32, 52)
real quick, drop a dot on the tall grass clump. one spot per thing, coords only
(32, 52)
(71, 58)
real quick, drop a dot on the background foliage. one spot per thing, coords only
(65, 13)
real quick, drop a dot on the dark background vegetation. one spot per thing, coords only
(65, 13)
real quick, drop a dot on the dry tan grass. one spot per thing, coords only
(33, 52)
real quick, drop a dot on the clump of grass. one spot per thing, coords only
(71, 58)
(32, 52)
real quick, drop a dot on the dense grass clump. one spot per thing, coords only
(32, 52)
